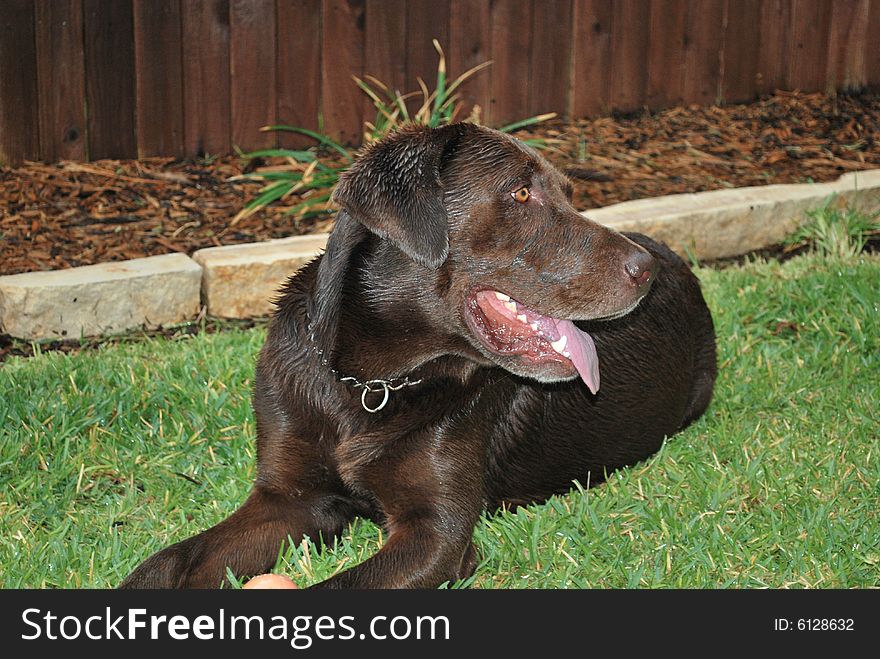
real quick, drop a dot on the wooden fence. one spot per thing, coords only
(88, 79)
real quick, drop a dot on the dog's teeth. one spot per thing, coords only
(559, 346)
(534, 326)
(502, 296)
(522, 318)
(511, 306)
(566, 354)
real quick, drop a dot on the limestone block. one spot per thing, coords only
(722, 223)
(240, 281)
(100, 299)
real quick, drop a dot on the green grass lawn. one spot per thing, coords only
(111, 454)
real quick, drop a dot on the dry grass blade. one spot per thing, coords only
(304, 181)
(377, 101)
(373, 80)
(467, 74)
(91, 169)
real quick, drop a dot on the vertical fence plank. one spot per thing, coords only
(703, 51)
(629, 54)
(110, 75)
(206, 104)
(252, 83)
(158, 84)
(299, 68)
(775, 20)
(425, 20)
(549, 82)
(19, 105)
(872, 52)
(808, 46)
(591, 58)
(385, 50)
(61, 79)
(385, 43)
(846, 45)
(739, 57)
(666, 53)
(470, 45)
(342, 56)
(511, 46)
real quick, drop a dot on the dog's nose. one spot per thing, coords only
(641, 268)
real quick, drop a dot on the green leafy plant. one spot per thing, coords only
(311, 174)
(836, 231)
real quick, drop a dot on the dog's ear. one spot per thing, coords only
(394, 189)
(323, 307)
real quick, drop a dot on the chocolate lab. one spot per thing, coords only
(467, 341)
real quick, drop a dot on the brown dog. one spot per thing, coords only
(444, 357)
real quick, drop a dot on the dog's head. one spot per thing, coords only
(503, 259)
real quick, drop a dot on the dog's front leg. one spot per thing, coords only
(430, 489)
(246, 543)
(421, 555)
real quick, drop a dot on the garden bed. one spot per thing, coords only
(70, 214)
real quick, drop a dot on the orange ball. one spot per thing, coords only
(269, 582)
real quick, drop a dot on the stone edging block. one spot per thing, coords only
(723, 223)
(100, 299)
(240, 281)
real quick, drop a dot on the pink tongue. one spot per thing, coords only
(583, 352)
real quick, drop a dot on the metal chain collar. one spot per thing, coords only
(375, 386)
(370, 386)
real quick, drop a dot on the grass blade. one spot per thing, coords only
(267, 195)
(531, 121)
(323, 139)
(440, 89)
(299, 156)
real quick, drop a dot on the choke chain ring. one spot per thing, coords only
(376, 386)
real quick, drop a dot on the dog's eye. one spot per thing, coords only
(522, 195)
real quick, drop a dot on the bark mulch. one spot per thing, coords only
(69, 214)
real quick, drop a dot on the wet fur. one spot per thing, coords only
(427, 216)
